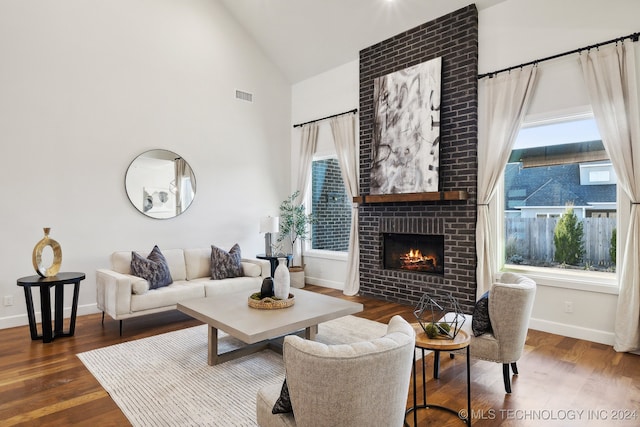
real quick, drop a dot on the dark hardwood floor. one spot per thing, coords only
(562, 381)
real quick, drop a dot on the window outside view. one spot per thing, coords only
(331, 206)
(560, 199)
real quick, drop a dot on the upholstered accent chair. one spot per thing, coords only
(510, 303)
(360, 384)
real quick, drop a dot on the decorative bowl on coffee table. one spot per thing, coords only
(270, 303)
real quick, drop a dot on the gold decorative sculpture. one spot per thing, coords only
(53, 269)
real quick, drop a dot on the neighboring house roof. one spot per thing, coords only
(552, 186)
(554, 193)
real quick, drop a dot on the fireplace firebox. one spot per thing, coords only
(421, 253)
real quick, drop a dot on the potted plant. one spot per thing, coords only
(294, 226)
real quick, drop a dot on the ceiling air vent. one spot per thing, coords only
(244, 96)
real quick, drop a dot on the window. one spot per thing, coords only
(597, 173)
(331, 206)
(559, 177)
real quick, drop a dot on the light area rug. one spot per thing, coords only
(164, 380)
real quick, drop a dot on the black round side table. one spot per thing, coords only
(45, 284)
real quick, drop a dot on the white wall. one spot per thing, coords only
(335, 91)
(511, 33)
(87, 86)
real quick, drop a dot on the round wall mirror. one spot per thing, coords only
(160, 184)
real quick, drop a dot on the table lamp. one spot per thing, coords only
(269, 225)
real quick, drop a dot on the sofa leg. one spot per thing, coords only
(506, 374)
(103, 318)
(121, 328)
(514, 368)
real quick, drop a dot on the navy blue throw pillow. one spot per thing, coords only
(225, 264)
(480, 323)
(283, 404)
(154, 268)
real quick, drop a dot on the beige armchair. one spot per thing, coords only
(510, 305)
(360, 384)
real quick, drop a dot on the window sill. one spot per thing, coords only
(588, 281)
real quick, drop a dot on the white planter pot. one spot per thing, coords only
(297, 277)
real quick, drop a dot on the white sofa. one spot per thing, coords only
(123, 296)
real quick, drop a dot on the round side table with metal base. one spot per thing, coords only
(461, 341)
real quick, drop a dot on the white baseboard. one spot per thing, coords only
(573, 331)
(22, 319)
(324, 283)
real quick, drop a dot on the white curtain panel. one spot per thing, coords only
(308, 144)
(504, 100)
(343, 129)
(610, 74)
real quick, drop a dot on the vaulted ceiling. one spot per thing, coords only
(307, 37)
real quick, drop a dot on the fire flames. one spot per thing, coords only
(414, 260)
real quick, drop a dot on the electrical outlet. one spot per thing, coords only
(568, 307)
(8, 300)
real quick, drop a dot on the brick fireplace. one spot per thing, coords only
(413, 244)
(454, 37)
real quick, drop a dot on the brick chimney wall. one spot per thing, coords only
(454, 37)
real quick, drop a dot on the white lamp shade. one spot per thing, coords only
(269, 224)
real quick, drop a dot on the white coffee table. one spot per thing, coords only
(232, 314)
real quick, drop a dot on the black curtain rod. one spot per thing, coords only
(634, 37)
(355, 110)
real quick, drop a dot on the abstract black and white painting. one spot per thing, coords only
(406, 137)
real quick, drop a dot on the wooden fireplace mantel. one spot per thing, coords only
(432, 196)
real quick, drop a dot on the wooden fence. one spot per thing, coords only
(532, 239)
